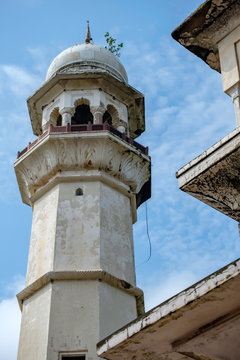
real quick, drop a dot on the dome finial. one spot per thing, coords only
(88, 34)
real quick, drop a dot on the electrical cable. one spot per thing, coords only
(148, 236)
(149, 240)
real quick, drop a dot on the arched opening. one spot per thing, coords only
(56, 117)
(59, 120)
(111, 116)
(82, 115)
(81, 101)
(107, 118)
(79, 192)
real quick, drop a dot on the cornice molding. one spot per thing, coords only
(58, 152)
(97, 275)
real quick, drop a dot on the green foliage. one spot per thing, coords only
(111, 45)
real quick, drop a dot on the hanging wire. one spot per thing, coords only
(148, 236)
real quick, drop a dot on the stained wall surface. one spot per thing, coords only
(34, 332)
(41, 251)
(74, 319)
(71, 317)
(116, 308)
(88, 232)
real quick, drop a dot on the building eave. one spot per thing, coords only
(168, 327)
(202, 30)
(213, 176)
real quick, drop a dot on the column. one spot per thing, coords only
(67, 113)
(234, 92)
(98, 112)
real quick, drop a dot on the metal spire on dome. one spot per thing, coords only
(88, 35)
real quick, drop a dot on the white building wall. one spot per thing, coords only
(88, 232)
(74, 319)
(117, 255)
(34, 334)
(116, 306)
(43, 234)
(78, 227)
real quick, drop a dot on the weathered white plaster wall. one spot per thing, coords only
(116, 234)
(229, 59)
(33, 341)
(78, 227)
(88, 232)
(116, 306)
(43, 234)
(74, 318)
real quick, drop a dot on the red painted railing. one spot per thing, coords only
(85, 128)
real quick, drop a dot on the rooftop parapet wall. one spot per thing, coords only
(84, 128)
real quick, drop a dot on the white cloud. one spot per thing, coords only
(173, 284)
(20, 81)
(41, 57)
(186, 112)
(10, 316)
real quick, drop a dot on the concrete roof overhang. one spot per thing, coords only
(201, 323)
(62, 81)
(213, 177)
(204, 28)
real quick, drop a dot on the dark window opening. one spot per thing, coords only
(79, 192)
(107, 118)
(82, 115)
(80, 357)
(59, 120)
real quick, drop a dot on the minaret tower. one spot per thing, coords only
(84, 176)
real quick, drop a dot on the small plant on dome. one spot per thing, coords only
(111, 45)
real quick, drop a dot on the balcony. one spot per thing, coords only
(85, 128)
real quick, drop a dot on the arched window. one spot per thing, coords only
(56, 117)
(82, 115)
(79, 192)
(107, 118)
(111, 116)
(59, 120)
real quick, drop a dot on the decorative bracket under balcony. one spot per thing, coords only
(58, 152)
(214, 176)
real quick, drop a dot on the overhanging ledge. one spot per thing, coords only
(99, 275)
(177, 327)
(213, 177)
(205, 27)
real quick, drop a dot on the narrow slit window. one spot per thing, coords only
(79, 192)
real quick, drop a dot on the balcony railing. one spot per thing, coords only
(85, 128)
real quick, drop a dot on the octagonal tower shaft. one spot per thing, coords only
(83, 181)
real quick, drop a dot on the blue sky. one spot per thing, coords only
(186, 112)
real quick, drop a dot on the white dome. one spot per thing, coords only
(88, 57)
